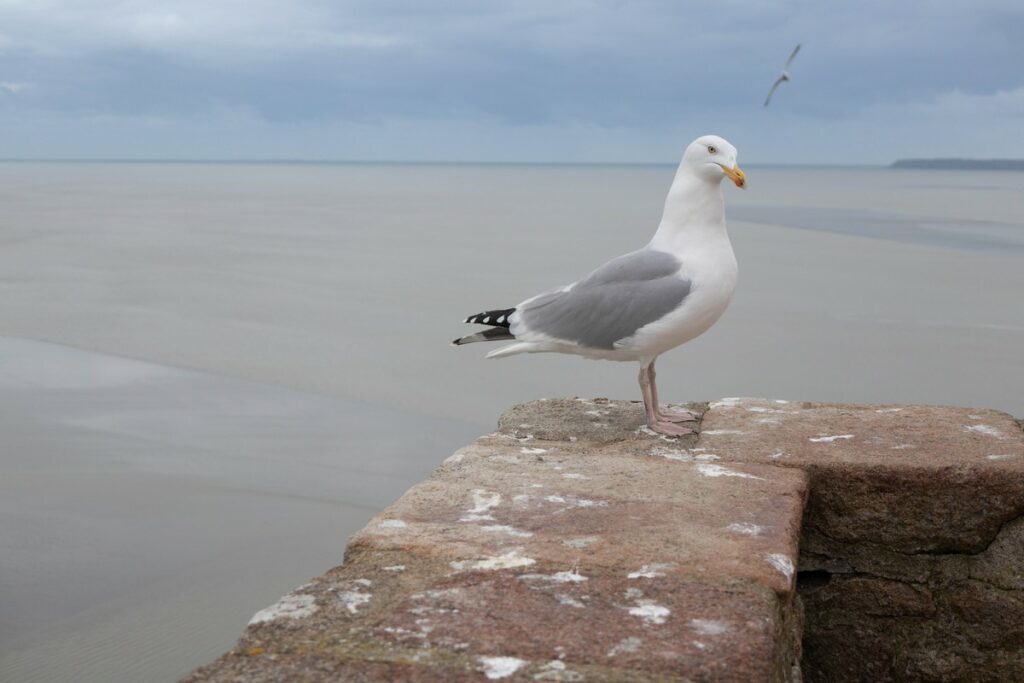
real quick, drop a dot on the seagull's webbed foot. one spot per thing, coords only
(675, 415)
(669, 429)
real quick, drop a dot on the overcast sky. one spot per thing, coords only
(534, 80)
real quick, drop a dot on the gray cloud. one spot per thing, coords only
(649, 67)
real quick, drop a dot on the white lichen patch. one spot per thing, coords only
(574, 475)
(731, 402)
(569, 601)
(630, 644)
(482, 502)
(520, 499)
(903, 446)
(650, 612)
(782, 563)
(672, 454)
(746, 528)
(987, 430)
(556, 670)
(647, 431)
(454, 458)
(1002, 456)
(509, 560)
(888, 410)
(353, 599)
(709, 470)
(777, 454)
(720, 432)
(681, 455)
(532, 451)
(650, 571)
(558, 577)
(760, 409)
(829, 439)
(508, 530)
(291, 606)
(393, 524)
(436, 594)
(581, 542)
(395, 568)
(573, 501)
(500, 667)
(708, 627)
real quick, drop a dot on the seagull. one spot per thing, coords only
(638, 306)
(784, 77)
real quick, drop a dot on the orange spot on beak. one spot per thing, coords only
(737, 176)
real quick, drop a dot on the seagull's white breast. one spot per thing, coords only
(712, 271)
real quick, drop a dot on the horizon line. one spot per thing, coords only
(391, 162)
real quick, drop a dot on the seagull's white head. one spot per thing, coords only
(713, 158)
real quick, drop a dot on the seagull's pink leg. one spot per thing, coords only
(667, 414)
(651, 408)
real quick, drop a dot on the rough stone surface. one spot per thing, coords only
(574, 545)
(524, 559)
(912, 555)
(597, 420)
(875, 470)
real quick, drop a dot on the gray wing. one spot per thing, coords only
(611, 303)
(791, 57)
(774, 88)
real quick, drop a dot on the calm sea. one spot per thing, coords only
(213, 373)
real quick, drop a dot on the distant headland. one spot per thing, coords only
(962, 164)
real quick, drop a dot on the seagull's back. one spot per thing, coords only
(603, 310)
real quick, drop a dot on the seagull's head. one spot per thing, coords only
(713, 158)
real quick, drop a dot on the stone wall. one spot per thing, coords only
(573, 545)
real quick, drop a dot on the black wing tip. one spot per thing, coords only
(497, 317)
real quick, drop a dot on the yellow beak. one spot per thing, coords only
(737, 176)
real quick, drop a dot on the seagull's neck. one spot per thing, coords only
(694, 214)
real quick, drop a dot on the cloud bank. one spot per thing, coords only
(463, 80)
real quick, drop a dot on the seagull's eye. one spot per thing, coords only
(712, 149)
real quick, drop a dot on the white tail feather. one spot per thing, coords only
(513, 349)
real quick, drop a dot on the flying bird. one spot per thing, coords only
(784, 77)
(638, 306)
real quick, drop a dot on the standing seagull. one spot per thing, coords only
(784, 77)
(638, 306)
